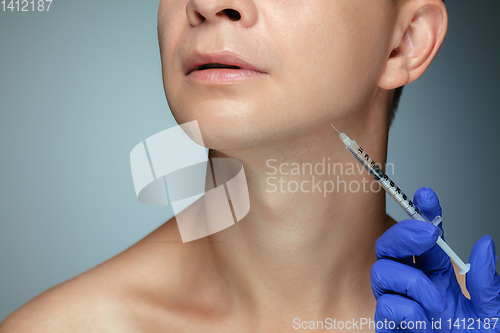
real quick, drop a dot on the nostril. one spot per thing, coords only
(232, 14)
(200, 17)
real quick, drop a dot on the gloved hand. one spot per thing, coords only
(409, 294)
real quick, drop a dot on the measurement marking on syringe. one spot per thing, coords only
(395, 192)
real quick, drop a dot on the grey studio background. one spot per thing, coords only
(81, 85)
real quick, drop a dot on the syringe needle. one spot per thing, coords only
(335, 128)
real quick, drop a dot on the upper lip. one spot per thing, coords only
(196, 59)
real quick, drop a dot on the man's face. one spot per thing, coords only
(318, 61)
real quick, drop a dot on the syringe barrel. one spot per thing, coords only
(387, 183)
(402, 199)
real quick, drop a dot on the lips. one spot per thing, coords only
(215, 65)
(223, 60)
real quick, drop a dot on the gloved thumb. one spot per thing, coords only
(482, 281)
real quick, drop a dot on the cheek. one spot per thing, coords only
(335, 63)
(171, 23)
(329, 71)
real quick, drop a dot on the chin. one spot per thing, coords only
(224, 126)
(240, 124)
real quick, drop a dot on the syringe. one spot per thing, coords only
(395, 192)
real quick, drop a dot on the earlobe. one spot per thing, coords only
(424, 25)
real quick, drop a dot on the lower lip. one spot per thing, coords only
(223, 75)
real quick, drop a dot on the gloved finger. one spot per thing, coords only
(395, 313)
(427, 201)
(434, 262)
(483, 282)
(388, 277)
(405, 239)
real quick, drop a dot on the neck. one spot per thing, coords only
(300, 244)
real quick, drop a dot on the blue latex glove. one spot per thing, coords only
(428, 290)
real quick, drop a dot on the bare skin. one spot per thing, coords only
(295, 255)
(159, 284)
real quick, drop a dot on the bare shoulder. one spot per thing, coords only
(119, 295)
(73, 305)
(77, 305)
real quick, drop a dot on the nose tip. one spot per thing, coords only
(242, 11)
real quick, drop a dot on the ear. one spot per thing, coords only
(419, 32)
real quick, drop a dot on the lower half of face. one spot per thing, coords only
(320, 61)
